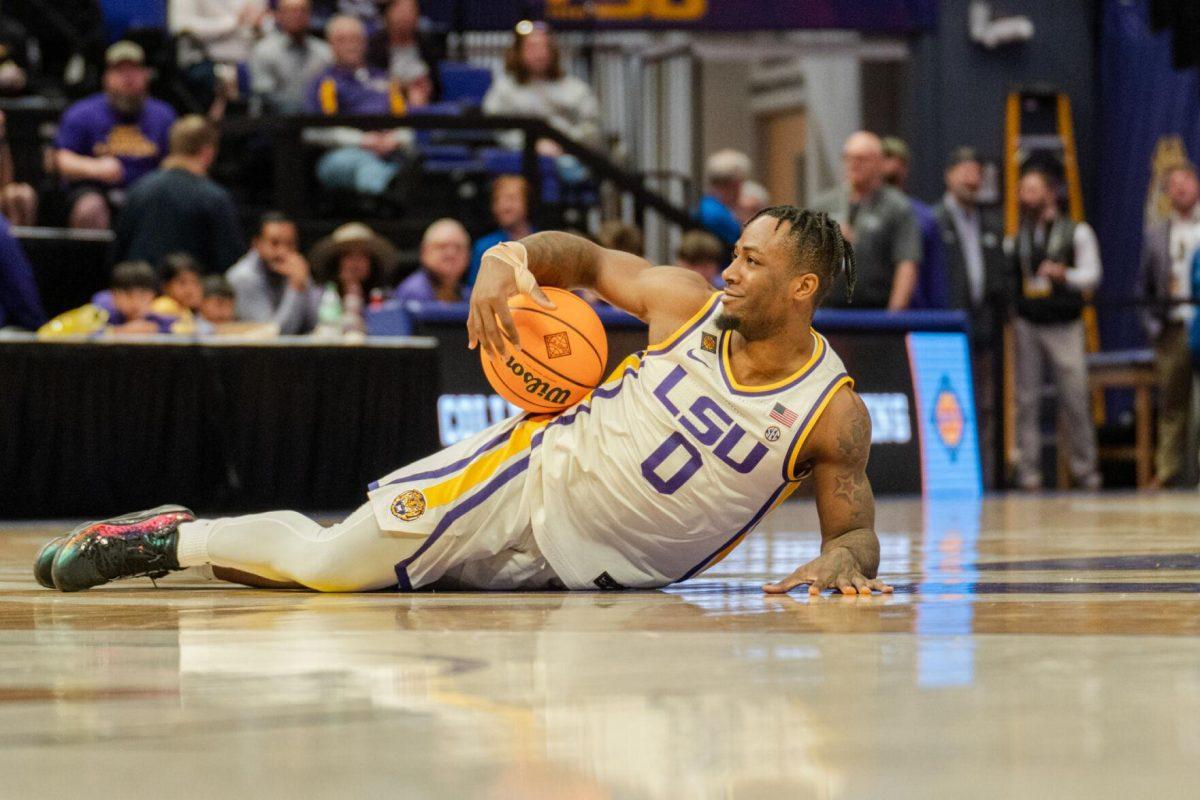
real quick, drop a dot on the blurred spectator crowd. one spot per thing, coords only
(125, 160)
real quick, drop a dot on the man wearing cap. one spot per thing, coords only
(976, 272)
(273, 282)
(107, 141)
(931, 271)
(445, 250)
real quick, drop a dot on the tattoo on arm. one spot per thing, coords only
(854, 440)
(854, 490)
(845, 502)
(851, 486)
(561, 259)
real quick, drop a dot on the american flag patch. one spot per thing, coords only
(783, 415)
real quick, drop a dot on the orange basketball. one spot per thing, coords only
(562, 357)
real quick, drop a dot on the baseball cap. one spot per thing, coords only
(123, 51)
(894, 147)
(961, 155)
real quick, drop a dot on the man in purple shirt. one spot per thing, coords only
(371, 163)
(445, 251)
(109, 140)
(349, 86)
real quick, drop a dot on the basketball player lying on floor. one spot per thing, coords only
(652, 479)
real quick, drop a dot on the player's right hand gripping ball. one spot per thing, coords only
(562, 357)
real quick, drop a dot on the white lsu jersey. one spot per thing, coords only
(668, 465)
(655, 476)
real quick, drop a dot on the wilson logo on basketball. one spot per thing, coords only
(536, 386)
(558, 345)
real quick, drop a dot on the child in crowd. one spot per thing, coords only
(129, 307)
(182, 292)
(217, 304)
(134, 288)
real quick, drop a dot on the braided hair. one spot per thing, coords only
(819, 245)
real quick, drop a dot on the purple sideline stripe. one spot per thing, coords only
(510, 472)
(745, 530)
(824, 345)
(796, 439)
(454, 467)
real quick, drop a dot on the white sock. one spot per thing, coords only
(192, 547)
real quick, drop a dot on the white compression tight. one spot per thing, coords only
(284, 546)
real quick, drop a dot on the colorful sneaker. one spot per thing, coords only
(45, 560)
(44, 563)
(136, 545)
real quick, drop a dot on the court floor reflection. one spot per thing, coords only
(981, 677)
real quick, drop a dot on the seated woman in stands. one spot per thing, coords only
(358, 261)
(534, 84)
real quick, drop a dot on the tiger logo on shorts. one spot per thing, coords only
(408, 505)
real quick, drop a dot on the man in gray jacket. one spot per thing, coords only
(273, 282)
(1165, 280)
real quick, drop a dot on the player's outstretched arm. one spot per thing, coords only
(662, 297)
(838, 449)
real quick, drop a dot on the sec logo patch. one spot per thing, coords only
(772, 434)
(409, 505)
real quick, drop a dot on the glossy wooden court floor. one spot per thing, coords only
(1034, 648)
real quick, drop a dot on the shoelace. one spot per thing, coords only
(115, 555)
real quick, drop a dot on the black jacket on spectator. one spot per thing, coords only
(1064, 303)
(430, 46)
(173, 210)
(995, 269)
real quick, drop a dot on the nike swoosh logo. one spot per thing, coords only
(692, 355)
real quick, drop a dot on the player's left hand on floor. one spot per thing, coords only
(829, 572)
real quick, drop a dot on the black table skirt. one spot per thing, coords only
(96, 429)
